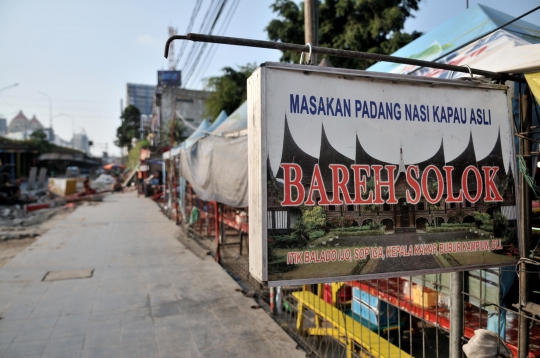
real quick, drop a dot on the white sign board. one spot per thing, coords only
(359, 174)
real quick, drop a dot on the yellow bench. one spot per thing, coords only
(345, 329)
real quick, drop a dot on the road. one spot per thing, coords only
(148, 295)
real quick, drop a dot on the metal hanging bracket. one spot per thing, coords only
(336, 52)
(308, 62)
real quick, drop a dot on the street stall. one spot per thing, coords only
(443, 157)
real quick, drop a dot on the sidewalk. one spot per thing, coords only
(148, 297)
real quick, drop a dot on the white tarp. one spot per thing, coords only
(216, 167)
(523, 59)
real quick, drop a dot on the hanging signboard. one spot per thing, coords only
(358, 174)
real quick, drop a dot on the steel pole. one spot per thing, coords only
(524, 224)
(456, 313)
(336, 52)
(11, 86)
(311, 25)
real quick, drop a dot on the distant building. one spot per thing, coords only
(35, 124)
(19, 124)
(3, 126)
(141, 96)
(80, 142)
(189, 103)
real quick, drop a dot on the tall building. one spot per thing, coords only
(80, 141)
(3, 126)
(141, 96)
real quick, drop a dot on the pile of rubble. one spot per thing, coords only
(17, 223)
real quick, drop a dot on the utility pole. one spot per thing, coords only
(311, 25)
(524, 226)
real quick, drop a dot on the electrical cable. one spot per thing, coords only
(204, 21)
(213, 48)
(203, 47)
(199, 50)
(194, 14)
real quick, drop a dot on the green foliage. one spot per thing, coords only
(316, 234)
(38, 135)
(340, 222)
(284, 242)
(463, 225)
(39, 141)
(357, 25)
(487, 227)
(352, 229)
(129, 129)
(500, 224)
(482, 218)
(447, 228)
(456, 215)
(178, 128)
(229, 91)
(370, 232)
(314, 218)
(301, 235)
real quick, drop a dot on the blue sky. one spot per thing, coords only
(82, 54)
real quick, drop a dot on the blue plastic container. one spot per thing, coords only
(372, 309)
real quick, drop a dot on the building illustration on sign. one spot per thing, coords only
(343, 200)
(404, 216)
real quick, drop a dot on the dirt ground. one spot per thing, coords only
(12, 247)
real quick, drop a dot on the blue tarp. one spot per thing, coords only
(476, 21)
(237, 121)
(222, 116)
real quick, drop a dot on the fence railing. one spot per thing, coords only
(396, 317)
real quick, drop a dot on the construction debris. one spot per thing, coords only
(16, 223)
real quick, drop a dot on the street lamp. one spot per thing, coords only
(50, 107)
(5, 88)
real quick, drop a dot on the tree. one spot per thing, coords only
(178, 136)
(229, 91)
(40, 142)
(38, 135)
(129, 129)
(314, 218)
(357, 25)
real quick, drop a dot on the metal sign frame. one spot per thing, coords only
(259, 103)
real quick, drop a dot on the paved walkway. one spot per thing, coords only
(149, 296)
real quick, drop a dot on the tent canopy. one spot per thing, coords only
(476, 21)
(216, 165)
(237, 121)
(222, 116)
(200, 132)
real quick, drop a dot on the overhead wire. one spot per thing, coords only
(213, 48)
(194, 14)
(202, 48)
(196, 46)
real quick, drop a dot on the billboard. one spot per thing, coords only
(357, 174)
(170, 78)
